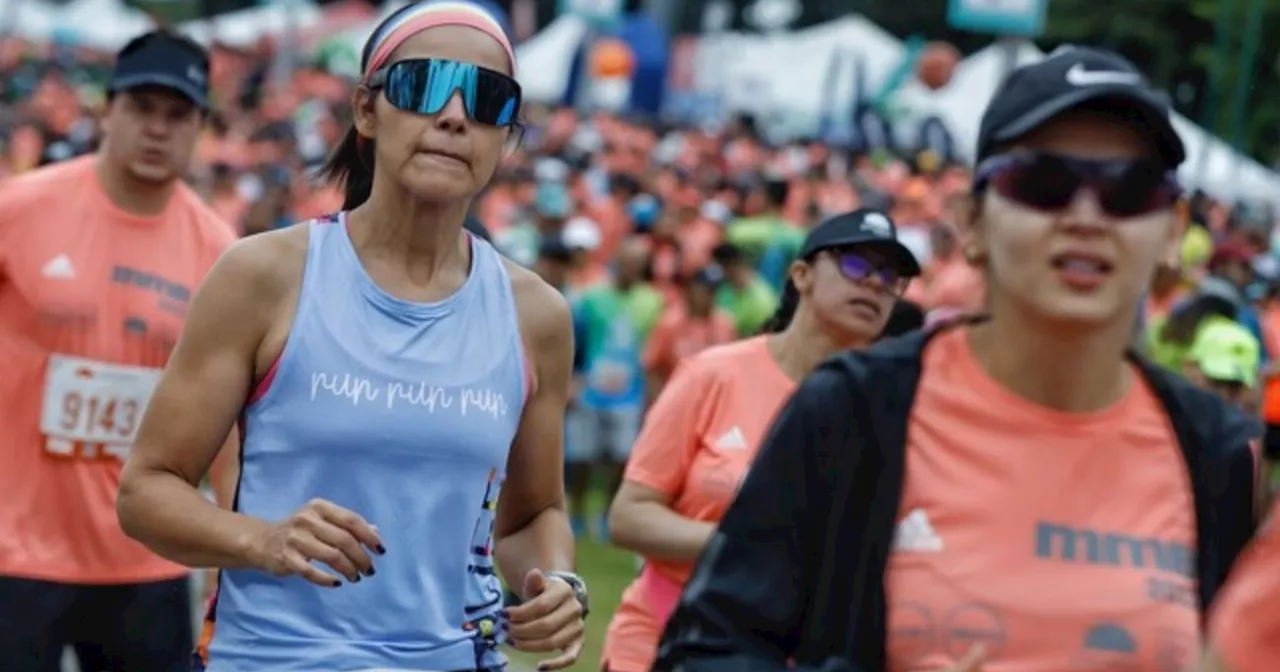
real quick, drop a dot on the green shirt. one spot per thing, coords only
(750, 307)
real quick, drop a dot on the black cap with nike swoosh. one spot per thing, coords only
(1074, 77)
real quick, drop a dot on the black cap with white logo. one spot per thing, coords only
(1078, 77)
(861, 228)
(161, 58)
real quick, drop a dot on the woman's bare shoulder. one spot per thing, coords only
(267, 266)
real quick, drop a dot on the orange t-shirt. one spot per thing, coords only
(1245, 624)
(1271, 389)
(698, 441)
(1060, 541)
(678, 336)
(92, 299)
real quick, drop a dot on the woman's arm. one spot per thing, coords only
(194, 408)
(532, 527)
(192, 412)
(642, 520)
(531, 534)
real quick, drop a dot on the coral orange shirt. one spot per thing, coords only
(1091, 570)
(698, 441)
(92, 299)
(1245, 624)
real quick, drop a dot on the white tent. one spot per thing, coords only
(245, 27)
(1211, 164)
(105, 24)
(775, 74)
(545, 59)
(31, 20)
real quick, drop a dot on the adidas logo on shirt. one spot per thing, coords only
(59, 267)
(915, 534)
(732, 440)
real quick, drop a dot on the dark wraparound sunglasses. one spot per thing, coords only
(425, 85)
(1124, 187)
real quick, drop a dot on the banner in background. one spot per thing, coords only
(599, 13)
(1024, 18)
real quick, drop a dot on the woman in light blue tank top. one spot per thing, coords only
(390, 375)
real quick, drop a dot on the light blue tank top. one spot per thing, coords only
(404, 413)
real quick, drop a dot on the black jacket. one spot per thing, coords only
(796, 569)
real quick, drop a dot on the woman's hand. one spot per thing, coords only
(320, 531)
(550, 619)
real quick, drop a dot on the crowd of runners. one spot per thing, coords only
(441, 291)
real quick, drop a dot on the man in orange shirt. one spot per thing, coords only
(99, 257)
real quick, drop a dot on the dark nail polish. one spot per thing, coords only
(371, 571)
(380, 549)
(356, 580)
(337, 583)
(504, 614)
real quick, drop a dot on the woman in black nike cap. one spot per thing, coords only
(1010, 493)
(703, 430)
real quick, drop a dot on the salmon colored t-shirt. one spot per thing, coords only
(1060, 541)
(698, 441)
(1245, 624)
(1271, 339)
(92, 299)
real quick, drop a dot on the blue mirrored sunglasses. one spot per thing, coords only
(425, 85)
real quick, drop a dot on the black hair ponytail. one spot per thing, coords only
(786, 310)
(351, 165)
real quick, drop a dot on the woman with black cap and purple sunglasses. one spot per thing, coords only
(702, 432)
(1017, 492)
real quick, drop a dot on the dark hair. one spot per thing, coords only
(351, 165)
(787, 305)
(727, 254)
(776, 192)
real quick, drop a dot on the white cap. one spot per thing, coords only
(550, 170)
(580, 233)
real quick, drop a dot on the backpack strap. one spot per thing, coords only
(882, 384)
(1213, 439)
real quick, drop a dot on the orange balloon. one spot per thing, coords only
(937, 64)
(612, 58)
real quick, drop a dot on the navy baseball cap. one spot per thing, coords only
(861, 228)
(1078, 77)
(164, 59)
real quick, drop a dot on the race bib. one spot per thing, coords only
(93, 403)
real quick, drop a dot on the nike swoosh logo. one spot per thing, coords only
(1079, 76)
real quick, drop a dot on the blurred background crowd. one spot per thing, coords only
(674, 156)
